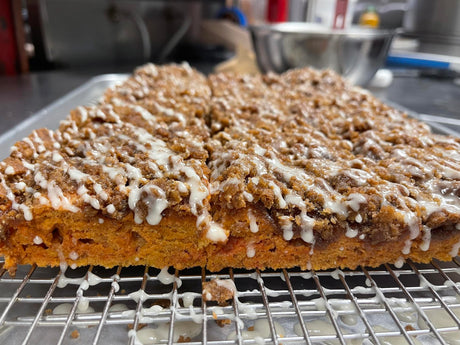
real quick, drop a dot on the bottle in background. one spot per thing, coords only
(370, 18)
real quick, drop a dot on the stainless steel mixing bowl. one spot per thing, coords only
(356, 53)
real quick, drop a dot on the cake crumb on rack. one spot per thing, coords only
(183, 339)
(75, 334)
(219, 290)
(139, 326)
(223, 322)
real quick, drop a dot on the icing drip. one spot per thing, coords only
(38, 240)
(354, 200)
(252, 222)
(250, 251)
(426, 238)
(216, 233)
(166, 278)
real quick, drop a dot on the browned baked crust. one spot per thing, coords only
(172, 168)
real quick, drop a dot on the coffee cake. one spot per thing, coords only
(176, 169)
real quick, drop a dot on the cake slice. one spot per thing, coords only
(120, 183)
(309, 171)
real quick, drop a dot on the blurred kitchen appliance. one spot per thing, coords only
(436, 24)
(110, 32)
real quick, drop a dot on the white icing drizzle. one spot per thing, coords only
(216, 233)
(139, 295)
(358, 218)
(315, 327)
(20, 186)
(336, 274)
(38, 240)
(261, 330)
(279, 196)
(118, 307)
(188, 298)
(74, 256)
(350, 317)
(150, 336)
(404, 310)
(252, 222)
(83, 114)
(62, 309)
(399, 262)
(9, 170)
(166, 278)
(426, 238)
(351, 233)
(93, 279)
(354, 200)
(146, 336)
(227, 284)
(250, 250)
(110, 208)
(286, 226)
(57, 157)
(64, 281)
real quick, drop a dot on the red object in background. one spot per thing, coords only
(8, 45)
(277, 11)
(340, 14)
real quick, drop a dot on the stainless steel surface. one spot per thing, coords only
(436, 24)
(418, 303)
(357, 53)
(427, 17)
(88, 33)
(438, 124)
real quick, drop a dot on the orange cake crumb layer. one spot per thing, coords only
(173, 168)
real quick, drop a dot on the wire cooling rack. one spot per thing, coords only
(415, 304)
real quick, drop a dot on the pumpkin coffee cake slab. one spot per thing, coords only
(121, 183)
(176, 169)
(307, 170)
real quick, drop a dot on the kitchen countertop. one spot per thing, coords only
(22, 96)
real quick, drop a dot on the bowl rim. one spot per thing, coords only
(354, 31)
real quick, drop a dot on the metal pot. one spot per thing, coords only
(356, 52)
(433, 21)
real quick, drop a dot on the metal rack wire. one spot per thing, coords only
(415, 304)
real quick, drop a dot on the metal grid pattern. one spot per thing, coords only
(416, 304)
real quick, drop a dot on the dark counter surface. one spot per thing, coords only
(22, 96)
